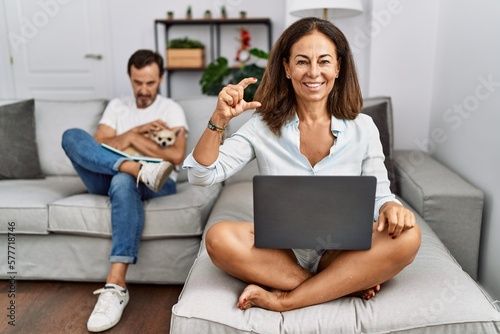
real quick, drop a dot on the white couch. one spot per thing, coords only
(63, 232)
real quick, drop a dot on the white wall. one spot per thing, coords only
(466, 111)
(402, 64)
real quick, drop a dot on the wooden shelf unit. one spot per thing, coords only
(214, 26)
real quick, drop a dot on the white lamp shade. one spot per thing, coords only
(332, 8)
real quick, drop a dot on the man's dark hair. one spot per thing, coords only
(142, 58)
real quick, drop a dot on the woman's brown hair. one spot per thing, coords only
(276, 92)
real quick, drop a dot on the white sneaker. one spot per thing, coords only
(154, 175)
(109, 308)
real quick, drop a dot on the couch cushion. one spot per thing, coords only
(24, 202)
(52, 119)
(198, 111)
(18, 147)
(431, 295)
(378, 113)
(449, 204)
(182, 214)
(65, 257)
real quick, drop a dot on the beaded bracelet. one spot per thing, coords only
(214, 127)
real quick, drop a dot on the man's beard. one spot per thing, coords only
(144, 101)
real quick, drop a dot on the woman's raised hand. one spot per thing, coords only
(231, 103)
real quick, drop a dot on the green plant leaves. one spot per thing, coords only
(259, 53)
(214, 74)
(212, 79)
(184, 43)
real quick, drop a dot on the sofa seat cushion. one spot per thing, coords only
(82, 258)
(179, 215)
(432, 295)
(24, 202)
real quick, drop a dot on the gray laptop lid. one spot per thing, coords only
(313, 212)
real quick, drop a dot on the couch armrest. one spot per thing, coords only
(449, 204)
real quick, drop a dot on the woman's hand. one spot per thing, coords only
(396, 217)
(230, 103)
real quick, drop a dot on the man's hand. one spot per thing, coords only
(151, 127)
(396, 218)
(107, 135)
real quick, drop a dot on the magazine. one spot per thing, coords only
(133, 157)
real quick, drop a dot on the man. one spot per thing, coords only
(127, 182)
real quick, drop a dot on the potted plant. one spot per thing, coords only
(218, 74)
(170, 15)
(185, 53)
(189, 13)
(223, 12)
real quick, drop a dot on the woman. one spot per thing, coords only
(307, 122)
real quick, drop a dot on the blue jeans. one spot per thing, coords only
(98, 169)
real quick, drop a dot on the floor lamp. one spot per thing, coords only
(326, 9)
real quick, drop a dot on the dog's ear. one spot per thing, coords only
(178, 131)
(152, 133)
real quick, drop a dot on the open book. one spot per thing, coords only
(133, 157)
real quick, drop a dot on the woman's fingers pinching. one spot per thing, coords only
(231, 102)
(247, 82)
(237, 92)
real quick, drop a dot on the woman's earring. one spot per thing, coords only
(287, 76)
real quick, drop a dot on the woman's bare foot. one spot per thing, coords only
(254, 295)
(366, 294)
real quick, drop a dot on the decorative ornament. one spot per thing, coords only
(242, 55)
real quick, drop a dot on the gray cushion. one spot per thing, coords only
(198, 111)
(18, 147)
(449, 204)
(379, 114)
(80, 258)
(52, 119)
(182, 214)
(25, 201)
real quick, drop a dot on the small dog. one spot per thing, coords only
(163, 138)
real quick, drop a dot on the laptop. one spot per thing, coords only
(314, 212)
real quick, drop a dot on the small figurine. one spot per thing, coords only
(243, 55)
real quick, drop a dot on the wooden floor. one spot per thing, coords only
(64, 307)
